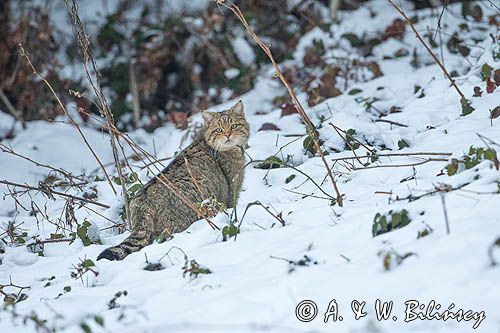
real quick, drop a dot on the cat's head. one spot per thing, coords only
(226, 130)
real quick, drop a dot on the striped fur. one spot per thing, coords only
(215, 160)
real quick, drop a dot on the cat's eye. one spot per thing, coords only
(218, 130)
(234, 126)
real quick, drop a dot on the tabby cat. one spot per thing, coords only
(210, 168)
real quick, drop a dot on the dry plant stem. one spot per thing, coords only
(24, 54)
(440, 64)
(3, 181)
(85, 49)
(278, 217)
(394, 154)
(135, 94)
(200, 192)
(403, 165)
(390, 122)
(12, 285)
(63, 172)
(309, 125)
(445, 214)
(336, 128)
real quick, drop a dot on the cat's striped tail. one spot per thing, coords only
(133, 243)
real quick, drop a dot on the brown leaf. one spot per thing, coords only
(395, 109)
(492, 20)
(477, 13)
(179, 119)
(496, 77)
(288, 109)
(395, 30)
(269, 127)
(495, 113)
(375, 68)
(312, 59)
(490, 86)
(477, 92)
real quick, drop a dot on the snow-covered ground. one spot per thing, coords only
(251, 288)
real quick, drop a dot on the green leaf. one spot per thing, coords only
(466, 107)
(272, 162)
(452, 168)
(289, 179)
(133, 177)
(353, 39)
(396, 220)
(308, 145)
(81, 231)
(85, 328)
(229, 231)
(88, 263)
(67, 289)
(117, 180)
(486, 71)
(99, 320)
(354, 91)
(403, 144)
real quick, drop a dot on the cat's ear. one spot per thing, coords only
(207, 116)
(237, 108)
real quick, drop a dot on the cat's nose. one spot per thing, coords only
(228, 135)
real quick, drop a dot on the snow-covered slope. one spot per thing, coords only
(323, 251)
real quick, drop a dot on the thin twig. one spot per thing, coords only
(394, 154)
(402, 165)
(402, 13)
(390, 122)
(50, 192)
(445, 214)
(63, 172)
(23, 53)
(104, 108)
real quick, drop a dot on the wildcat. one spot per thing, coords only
(215, 160)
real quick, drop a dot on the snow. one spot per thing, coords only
(250, 290)
(243, 51)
